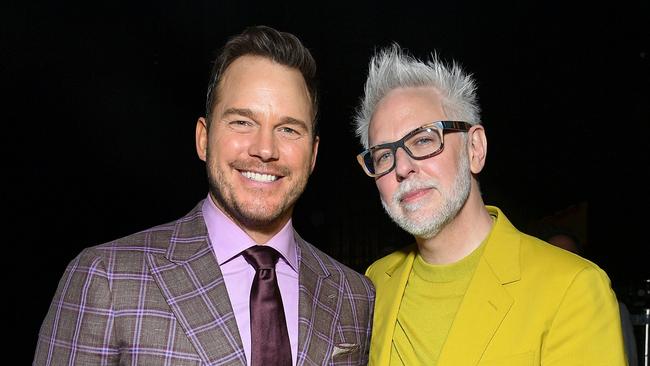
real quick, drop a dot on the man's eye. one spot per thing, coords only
(241, 126)
(289, 133)
(383, 157)
(288, 130)
(423, 141)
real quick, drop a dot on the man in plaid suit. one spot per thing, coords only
(178, 293)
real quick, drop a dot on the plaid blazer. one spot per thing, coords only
(158, 298)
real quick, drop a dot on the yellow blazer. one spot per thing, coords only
(528, 303)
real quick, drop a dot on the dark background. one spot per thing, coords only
(101, 98)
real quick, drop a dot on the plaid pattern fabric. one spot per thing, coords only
(158, 298)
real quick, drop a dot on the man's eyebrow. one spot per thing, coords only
(239, 111)
(295, 121)
(250, 114)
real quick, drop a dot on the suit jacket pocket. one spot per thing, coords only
(345, 351)
(522, 359)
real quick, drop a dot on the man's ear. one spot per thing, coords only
(202, 138)
(314, 153)
(477, 148)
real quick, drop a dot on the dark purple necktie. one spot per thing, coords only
(269, 335)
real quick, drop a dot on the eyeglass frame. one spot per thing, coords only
(440, 126)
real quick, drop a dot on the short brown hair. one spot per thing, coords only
(281, 47)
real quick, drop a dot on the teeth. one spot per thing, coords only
(259, 177)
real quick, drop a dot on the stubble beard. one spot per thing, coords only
(420, 223)
(257, 213)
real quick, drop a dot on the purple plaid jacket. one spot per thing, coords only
(158, 298)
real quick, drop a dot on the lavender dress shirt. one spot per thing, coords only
(228, 241)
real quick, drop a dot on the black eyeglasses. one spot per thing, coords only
(422, 143)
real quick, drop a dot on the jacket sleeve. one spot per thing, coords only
(78, 328)
(586, 329)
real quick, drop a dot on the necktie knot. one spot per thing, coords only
(261, 257)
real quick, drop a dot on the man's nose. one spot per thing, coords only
(404, 164)
(264, 146)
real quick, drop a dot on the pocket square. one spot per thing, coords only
(344, 348)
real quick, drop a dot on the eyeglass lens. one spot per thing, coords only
(421, 144)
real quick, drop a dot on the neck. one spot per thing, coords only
(262, 235)
(461, 236)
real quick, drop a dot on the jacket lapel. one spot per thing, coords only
(190, 279)
(387, 306)
(486, 302)
(483, 308)
(319, 302)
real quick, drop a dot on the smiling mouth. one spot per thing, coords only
(413, 195)
(259, 177)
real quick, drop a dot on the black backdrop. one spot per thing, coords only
(101, 99)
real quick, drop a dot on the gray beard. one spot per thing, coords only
(428, 224)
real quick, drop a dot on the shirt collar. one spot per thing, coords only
(229, 240)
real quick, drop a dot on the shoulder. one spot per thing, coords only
(510, 251)
(356, 280)
(128, 252)
(153, 240)
(556, 273)
(542, 256)
(386, 263)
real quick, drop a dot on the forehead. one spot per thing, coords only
(258, 80)
(403, 110)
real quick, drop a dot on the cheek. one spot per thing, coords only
(447, 171)
(296, 155)
(439, 168)
(385, 188)
(228, 145)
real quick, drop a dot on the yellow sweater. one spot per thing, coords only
(431, 299)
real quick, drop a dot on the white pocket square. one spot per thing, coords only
(343, 348)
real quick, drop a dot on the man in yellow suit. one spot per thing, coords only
(472, 290)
